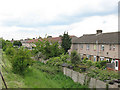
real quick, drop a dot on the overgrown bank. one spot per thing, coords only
(37, 76)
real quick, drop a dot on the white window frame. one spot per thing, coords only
(113, 47)
(88, 47)
(81, 46)
(110, 47)
(102, 47)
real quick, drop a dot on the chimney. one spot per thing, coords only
(98, 31)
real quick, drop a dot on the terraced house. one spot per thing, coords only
(99, 46)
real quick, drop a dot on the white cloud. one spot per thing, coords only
(89, 25)
(15, 15)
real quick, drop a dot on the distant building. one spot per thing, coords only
(30, 43)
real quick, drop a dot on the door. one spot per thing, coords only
(119, 65)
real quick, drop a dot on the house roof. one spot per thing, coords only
(32, 41)
(103, 38)
(54, 39)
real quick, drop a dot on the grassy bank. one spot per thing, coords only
(37, 76)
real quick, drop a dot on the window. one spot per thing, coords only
(94, 47)
(88, 47)
(81, 46)
(94, 58)
(110, 47)
(113, 47)
(102, 47)
(101, 58)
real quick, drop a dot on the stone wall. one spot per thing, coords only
(85, 80)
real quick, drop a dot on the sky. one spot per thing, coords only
(20, 19)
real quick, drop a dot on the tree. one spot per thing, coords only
(75, 59)
(66, 42)
(48, 49)
(21, 61)
(17, 43)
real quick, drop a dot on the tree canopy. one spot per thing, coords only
(17, 43)
(47, 49)
(66, 42)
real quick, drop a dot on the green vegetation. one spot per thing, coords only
(37, 76)
(19, 58)
(58, 61)
(66, 42)
(21, 61)
(75, 59)
(47, 49)
(96, 70)
(102, 74)
(12, 80)
(17, 43)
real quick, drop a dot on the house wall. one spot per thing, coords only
(102, 53)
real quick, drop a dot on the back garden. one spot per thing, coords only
(20, 71)
(23, 71)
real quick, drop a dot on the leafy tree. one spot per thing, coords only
(48, 49)
(3, 44)
(66, 42)
(21, 61)
(17, 43)
(6, 44)
(10, 51)
(75, 59)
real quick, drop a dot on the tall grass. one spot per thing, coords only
(38, 76)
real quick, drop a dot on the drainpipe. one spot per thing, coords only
(97, 48)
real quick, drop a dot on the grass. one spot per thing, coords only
(12, 80)
(37, 76)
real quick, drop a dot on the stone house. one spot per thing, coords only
(99, 46)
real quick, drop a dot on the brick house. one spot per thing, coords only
(99, 46)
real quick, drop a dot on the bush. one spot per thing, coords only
(89, 63)
(84, 60)
(58, 61)
(75, 59)
(21, 61)
(101, 64)
(17, 43)
(10, 51)
(48, 49)
(102, 74)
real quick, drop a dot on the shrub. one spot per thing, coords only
(48, 49)
(59, 60)
(75, 59)
(89, 63)
(21, 61)
(101, 64)
(102, 74)
(10, 51)
(84, 60)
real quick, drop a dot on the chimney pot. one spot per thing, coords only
(98, 31)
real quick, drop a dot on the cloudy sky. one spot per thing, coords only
(33, 18)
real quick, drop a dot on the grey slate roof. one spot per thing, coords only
(103, 38)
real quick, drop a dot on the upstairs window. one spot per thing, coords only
(88, 47)
(113, 47)
(94, 47)
(81, 46)
(110, 47)
(102, 47)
